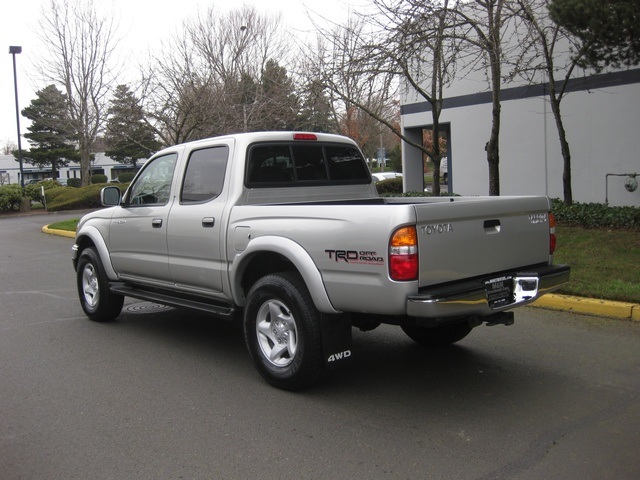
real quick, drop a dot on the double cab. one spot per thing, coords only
(286, 233)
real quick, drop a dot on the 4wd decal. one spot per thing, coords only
(339, 356)
(356, 256)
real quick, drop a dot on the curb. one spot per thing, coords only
(551, 301)
(590, 306)
(59, 233)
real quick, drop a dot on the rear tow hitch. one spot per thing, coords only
(500, 318)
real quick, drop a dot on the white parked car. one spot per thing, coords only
(378, 177)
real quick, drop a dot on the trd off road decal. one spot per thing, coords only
(362, 257)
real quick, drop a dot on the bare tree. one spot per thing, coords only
(81, 44)
(8, 147)
(548, 51)
(219, 75)
(339, 62)
(422, 45)
(176, 99)
(365, 62)
(485, 26)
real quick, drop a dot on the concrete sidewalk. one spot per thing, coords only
(567, 303)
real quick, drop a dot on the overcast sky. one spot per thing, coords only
(142, 23)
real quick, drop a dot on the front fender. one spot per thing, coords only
(293, 252)
(97, 240)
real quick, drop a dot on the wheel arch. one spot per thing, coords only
(90, 236)
(271, 254)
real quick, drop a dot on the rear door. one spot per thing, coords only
(194, 234)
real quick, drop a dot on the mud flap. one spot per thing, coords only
(336, 338)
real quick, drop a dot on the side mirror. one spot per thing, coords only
(110, 196)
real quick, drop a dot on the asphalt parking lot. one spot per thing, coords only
(165, 393)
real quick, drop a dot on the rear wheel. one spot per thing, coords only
(437, 336)
(282, 331)
(97, 301)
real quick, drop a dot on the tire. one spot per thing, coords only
(282, 332)
(97, 301)
(440, 336)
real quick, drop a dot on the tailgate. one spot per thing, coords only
(477, 236)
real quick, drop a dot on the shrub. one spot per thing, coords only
(98, 178)
(52, 193)
(10, 196)
(390, 186)
(76, 198)
(34, 192)
(596, 215)
(126, 177)
(74, 182)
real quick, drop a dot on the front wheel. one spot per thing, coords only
(437, 336)
(97, 301)
(282, 331)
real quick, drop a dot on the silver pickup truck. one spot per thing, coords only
(286, 233)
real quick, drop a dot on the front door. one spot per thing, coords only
(138, 230)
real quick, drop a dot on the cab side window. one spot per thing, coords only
(204, 177)
(153, 186)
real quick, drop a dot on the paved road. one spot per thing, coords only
(163, 393)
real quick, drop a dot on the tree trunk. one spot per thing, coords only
(564, 148)
(493, 49)
(493, 147)
(85, 164)
(437, 156)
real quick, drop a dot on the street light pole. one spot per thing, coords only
(13, 50)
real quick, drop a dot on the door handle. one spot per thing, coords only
(492, 226)
(156, 222)
(208, 222)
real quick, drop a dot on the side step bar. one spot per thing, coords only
(220, 310)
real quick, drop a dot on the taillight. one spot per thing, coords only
(552, 233)
(403, 254)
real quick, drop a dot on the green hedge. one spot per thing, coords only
(78, 198)
(99, 178)
(596, 215)
(390, 186)
(34, 192)
(10, 196)
(126, 177)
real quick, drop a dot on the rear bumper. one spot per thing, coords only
(470, 297)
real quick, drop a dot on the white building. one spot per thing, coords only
(602, 121)
(10, 169)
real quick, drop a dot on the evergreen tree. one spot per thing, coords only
(280, 104)
(316, 109)
(50, 132)
(608, 29)
(128, 137)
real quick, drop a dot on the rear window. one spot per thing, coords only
(304, 164)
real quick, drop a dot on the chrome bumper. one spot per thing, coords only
(472, 297)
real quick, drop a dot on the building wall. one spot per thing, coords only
(601, 116)
(10, 169)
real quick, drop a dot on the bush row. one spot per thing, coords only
(77, 198)
(596, 215)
